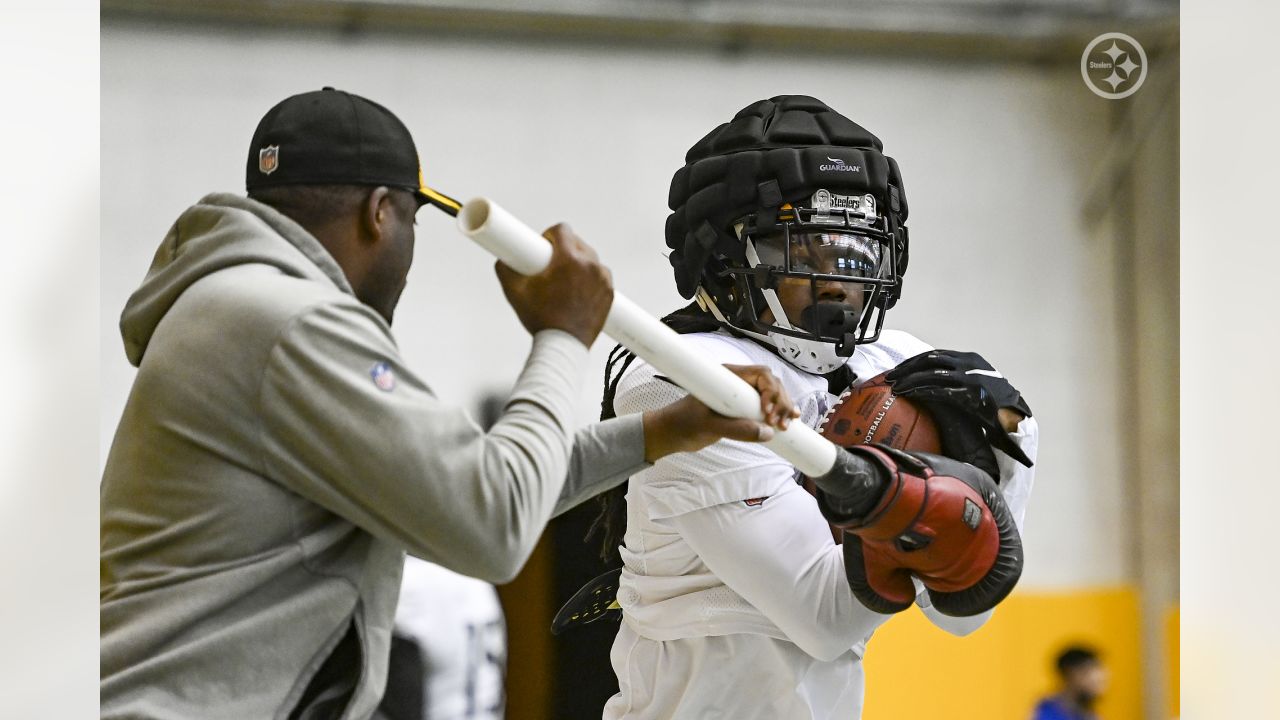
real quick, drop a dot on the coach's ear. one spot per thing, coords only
(376, 216)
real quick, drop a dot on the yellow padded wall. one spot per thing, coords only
(1172, 654)
(918, 672)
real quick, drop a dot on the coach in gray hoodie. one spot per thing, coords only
(276, 458)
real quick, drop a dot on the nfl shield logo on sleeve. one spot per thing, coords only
(383, 376)
(268, 159)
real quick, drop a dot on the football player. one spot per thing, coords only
(788, 232)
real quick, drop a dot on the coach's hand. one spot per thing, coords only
(572, 294)
(687, 425)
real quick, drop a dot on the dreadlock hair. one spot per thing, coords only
(611, 521)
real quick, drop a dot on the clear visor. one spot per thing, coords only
(841, 254)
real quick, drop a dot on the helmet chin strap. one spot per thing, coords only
(770, 296)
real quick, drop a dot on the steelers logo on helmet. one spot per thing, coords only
(780, 240)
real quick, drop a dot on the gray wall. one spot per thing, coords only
(997, 160)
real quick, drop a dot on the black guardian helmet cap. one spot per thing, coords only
(788, 167)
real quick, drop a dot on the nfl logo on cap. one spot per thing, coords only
(268, 159)
(383, 376)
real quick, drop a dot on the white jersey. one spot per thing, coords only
(457, 623)
(734, 595)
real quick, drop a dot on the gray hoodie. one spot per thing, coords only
(275, 460)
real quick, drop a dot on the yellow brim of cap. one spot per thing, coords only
(440, 200)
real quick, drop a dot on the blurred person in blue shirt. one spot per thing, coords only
(1083, 681)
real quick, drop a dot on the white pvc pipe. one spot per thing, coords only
(527, 252)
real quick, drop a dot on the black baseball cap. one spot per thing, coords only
(334, 137)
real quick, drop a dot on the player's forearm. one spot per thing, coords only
(779, 557)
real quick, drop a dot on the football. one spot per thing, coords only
(872, 413)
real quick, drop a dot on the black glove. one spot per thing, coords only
(964, 394)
